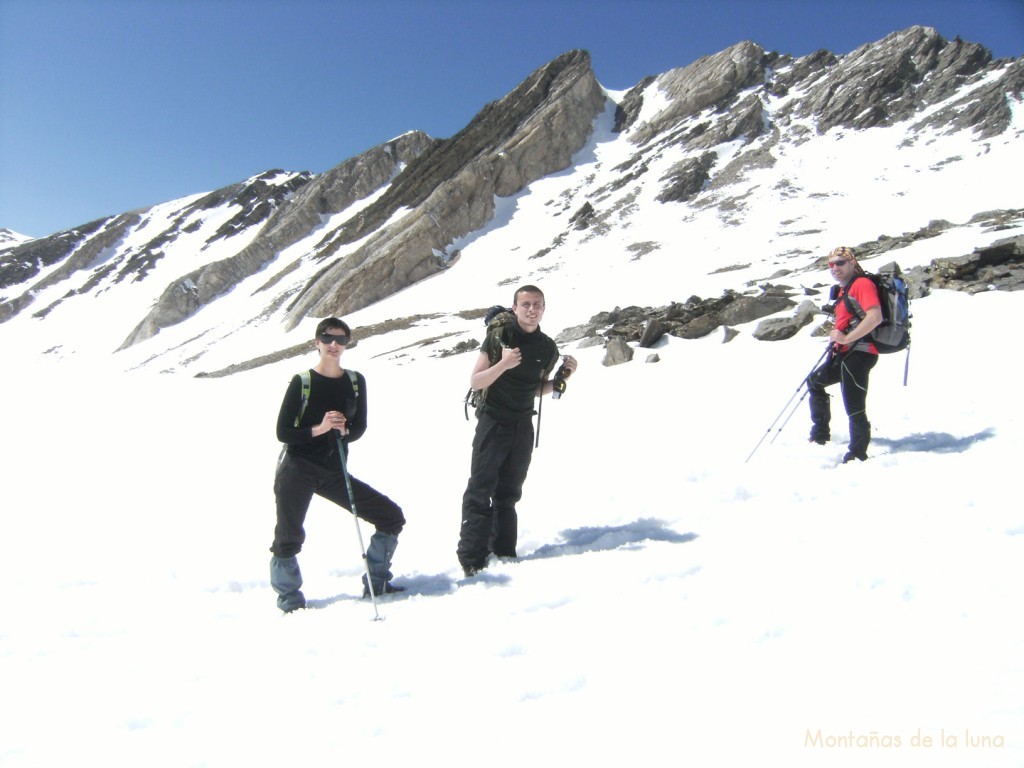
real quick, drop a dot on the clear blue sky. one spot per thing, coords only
(111, 105)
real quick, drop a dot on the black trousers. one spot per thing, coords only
(295, 483)
(502, 450)
(851, 371)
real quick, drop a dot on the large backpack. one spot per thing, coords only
(498, 321)
(893, 333)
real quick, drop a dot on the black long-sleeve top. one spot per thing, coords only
(325, 394)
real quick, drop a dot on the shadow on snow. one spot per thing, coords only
(933, 442)
(601, 539)
(576, 541)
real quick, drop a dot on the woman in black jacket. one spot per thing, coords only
(324, 409)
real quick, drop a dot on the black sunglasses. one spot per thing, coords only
(339, 339)
(837, 263)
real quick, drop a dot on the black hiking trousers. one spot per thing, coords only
(502, 450)
(851, 371)
(296, 481)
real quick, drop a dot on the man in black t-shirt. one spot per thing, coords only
(503, 442)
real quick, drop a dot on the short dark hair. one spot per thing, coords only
(334, 324)
(526, 289)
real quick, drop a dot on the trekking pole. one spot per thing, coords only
(359, 533)
(782, 426)
(540, 407)
(802, 383)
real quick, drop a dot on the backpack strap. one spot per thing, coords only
(555, 356)
(852, 305)
(304, 379)
(854, 308)
(500, 336)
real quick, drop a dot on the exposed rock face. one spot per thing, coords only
(27, 261)
(718, 119)
(997, 267)
(448, 187)
(617, 352)
(777, 328)
(96, 251)
(719, 98)
(23, 264)
(692, 319)
(532, 132)
(986, 109)
(709, 82)
(688, 179)
(882, 83)
(330, 193)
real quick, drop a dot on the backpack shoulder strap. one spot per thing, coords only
(555, 355)
(500, 336)
(305, 379)
(852, 305)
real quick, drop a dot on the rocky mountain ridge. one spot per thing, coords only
(695, 139)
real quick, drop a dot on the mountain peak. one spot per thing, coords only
(9, 238)
(746, 160)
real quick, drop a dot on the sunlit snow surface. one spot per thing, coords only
(674, 604)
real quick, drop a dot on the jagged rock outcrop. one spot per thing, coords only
(996, 267)
(617, 351)
(332, 192)
(711, 81)
(692, 319)
(449, 191)
(748, 308)
(687, 179)
(720, 98)
(888, 81)
(778, 328)
(985, 109)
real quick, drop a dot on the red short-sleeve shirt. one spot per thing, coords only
(862, 291)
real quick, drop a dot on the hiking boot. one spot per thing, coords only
(388, 589)
(860, 437)
(286, 580)
(472, 570)
(850, 456)
(821, 416)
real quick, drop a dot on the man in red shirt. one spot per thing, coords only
(851, 357)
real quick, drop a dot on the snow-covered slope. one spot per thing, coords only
(674, 603)
(199, 284)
